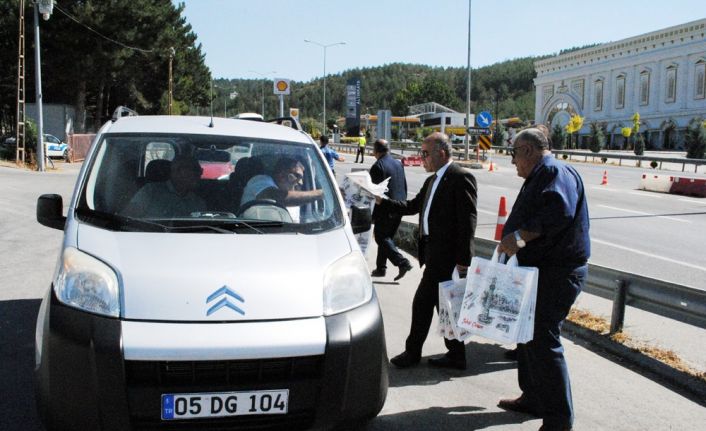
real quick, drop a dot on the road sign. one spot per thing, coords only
(477, 131)
(484, 119)
(484, 142)
(281, 86)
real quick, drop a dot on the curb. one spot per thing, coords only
(671, 376)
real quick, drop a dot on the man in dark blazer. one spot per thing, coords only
(446, 205)
(387, 222)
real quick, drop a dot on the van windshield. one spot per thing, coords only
(205, 183)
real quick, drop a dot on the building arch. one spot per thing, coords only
(559, 109)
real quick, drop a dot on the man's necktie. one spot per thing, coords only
(427, 195)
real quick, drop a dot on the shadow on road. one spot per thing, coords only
(17, 322)
(465, 418)
(423, 374)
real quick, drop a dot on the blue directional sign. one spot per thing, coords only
(484, 119)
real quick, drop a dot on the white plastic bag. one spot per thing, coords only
(499, 300)
(450, 297)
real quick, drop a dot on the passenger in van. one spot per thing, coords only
(282, 186)
(175, 197)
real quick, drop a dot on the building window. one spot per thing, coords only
(700, 76)
(577, 88)
(547, 93)
(598, 99)
(620, 92)
(645, 88)
(671, 89)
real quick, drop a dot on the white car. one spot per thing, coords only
(234, 316)
(54, 147)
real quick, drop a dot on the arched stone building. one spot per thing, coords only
(661, 75)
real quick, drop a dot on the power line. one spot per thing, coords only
(98, 33)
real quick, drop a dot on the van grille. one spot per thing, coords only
(289, 422)
(237, 372)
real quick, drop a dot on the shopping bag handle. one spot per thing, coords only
(502, 258)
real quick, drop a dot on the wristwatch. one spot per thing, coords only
(518, 239)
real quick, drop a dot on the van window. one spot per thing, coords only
(204, 183)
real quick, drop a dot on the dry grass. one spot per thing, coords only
(601, 325)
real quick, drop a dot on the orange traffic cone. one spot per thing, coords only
(491, 168)
(502, 216)
(605, 178)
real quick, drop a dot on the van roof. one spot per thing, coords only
(200, 126)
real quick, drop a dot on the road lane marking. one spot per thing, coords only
(487, 212)
(647, 195)
(605, 189)
(693, 201)
(645, 214)
(654, 256)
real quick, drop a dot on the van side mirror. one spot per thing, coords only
(49, 211)
(361, 219)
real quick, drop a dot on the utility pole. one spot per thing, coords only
(262, 87)
(171, 79)
(468, 90)
(324, 47)
(38, 87)
(20, 129)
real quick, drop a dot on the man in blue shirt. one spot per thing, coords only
(329, 153)
(387, 222)
(548, 229)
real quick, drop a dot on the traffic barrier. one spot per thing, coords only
(605, 178)
(502, 217)
(412, 161)
(656, 183)
(689, 187)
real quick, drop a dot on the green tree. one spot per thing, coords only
(558, 137)
(597, 137)
(695, 140)
(498, 135)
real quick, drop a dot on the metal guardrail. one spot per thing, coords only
(459, 150)
(621, 157)
(670, 300)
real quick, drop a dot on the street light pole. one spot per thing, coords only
(324, 47)
(171, 79)
(468, 89)
(262, 87)
(38, 87)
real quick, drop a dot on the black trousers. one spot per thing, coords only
(361, 153)
(424, 305)
(541, 368)
(384, 231)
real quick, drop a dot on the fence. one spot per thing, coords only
(79, 146)
(681, 303)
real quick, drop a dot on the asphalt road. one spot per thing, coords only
(606, 394)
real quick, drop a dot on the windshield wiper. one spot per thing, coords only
(199, 228)
(117, 222)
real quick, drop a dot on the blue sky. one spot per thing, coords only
(238, 36)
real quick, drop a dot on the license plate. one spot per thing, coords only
(220, 404)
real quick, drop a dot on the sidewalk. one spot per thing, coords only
(607, 394)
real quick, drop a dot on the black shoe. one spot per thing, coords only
(511, 354)
(405, 360)
(518, 405)
(377, 272)
(554, 428)
(448, 362)
(404, 269)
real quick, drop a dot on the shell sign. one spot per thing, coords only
(294, 113)
(281, 86)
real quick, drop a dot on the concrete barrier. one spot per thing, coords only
(689, 187)
(656, 183)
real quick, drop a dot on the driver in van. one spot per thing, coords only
(172, 198)
(282, 187)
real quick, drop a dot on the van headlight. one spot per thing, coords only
(347, 284)
(85, 282)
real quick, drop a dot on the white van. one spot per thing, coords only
(193, 306)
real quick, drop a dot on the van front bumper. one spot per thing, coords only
(85, 381)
